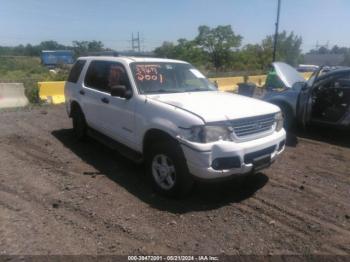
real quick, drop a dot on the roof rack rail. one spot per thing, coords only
(103, 53)
(136, 54)
(122, 53)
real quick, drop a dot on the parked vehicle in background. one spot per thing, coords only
(53, 58)
(307, 68)
(167, 114)
(323, 99)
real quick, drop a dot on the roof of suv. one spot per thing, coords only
(130, 59)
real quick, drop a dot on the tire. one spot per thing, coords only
(79, 124)
(167, 169)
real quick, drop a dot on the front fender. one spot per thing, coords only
(164, 125)
(151, 114)
(286, 99)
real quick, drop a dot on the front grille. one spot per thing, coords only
(253, 125)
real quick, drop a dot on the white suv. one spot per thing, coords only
(167, 114)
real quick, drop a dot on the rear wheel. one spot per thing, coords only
(79, 123)
(168, 169)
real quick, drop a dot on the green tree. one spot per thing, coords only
(252, 57)
(218, 43)
(183, 50)
(167, 50)
(84, 47)
(188, 50)
(288, 48)
(50, 45)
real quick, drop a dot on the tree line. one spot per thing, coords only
(79, 47)
(216, 49)
(221, 49)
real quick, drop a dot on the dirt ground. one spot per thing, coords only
(60, 196)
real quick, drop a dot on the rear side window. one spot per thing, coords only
(76, 70)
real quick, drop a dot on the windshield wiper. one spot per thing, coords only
(197, 90)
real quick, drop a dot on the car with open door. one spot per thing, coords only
(326, 100)
(323, 99)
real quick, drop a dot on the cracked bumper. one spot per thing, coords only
(200, 156)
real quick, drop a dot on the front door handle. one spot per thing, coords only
(82, 92)
(105, 100)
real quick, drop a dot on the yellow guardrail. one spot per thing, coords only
(307, 75)
(52, 92)
(231, 83)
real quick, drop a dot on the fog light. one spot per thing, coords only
(216, 165)
(226, 163)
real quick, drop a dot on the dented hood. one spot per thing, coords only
(216, 106)
(288, 75)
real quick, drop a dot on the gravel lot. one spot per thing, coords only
(60, 196)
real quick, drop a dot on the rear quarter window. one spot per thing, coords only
(76, 71)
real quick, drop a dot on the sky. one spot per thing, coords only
(113, 21)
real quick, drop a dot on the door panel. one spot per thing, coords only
(120, 120)
(94, 108)
(112, 116)
(304, 105)
(331, 98)
(119, 113)
(93, 91)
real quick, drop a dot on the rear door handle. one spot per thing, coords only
(82, 92)
(105, 100)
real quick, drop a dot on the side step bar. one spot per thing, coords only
(114, 145)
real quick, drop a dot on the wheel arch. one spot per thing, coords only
(282, 104)
(288, 112)
(74, 105)
(155, 135)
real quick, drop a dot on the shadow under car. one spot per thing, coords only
(131, 176)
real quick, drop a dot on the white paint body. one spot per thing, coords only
(128, 120)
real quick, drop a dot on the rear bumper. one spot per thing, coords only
(200, 157)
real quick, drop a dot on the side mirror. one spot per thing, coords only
(121, 91)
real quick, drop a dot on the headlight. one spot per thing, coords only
(207, 134)
(279, 121)
(194, 134)
(215, 133)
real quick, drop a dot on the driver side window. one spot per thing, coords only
(117, 76)
(103, 75)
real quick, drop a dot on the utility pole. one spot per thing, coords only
(135, 42)
(276, 31)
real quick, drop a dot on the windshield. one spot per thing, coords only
(161, 77)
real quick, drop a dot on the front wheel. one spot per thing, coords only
(168, 169)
